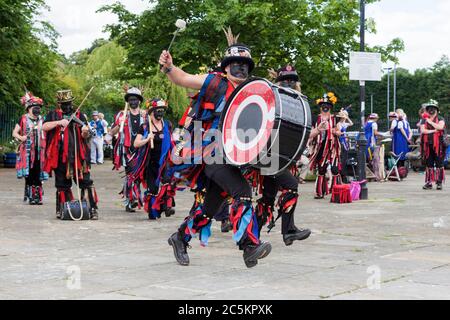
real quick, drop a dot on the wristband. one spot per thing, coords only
(167, 70)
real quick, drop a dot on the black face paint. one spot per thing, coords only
(134, 102)
(325, 109)
(159, 114)
(67, 108)
(36, 111)
(239, 70)
(289, 84)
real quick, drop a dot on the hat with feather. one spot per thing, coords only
(236, 52)
(29, 100)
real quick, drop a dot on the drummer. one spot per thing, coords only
(285, 182)
(220, 180)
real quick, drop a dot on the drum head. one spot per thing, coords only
(247, 121)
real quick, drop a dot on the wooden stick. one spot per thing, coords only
(150, 131)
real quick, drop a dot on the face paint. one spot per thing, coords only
(289, 84)
(325, 109)
(431, 111)
(36, 111)
(159, 114)
(134, 102)
(239, 70)
(67, 107)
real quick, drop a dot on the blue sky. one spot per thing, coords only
(424, 25)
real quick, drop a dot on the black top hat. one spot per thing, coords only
(238, 53)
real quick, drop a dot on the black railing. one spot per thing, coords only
(7, 123)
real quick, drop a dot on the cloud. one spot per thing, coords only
(79, 24)
(423, 26)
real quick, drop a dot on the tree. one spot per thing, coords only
(315, 35)
(25, 59)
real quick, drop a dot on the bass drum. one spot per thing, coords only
(264, 126)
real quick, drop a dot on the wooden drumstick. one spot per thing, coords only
(150, 129)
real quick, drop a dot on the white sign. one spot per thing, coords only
(365, 66)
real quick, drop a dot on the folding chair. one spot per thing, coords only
(394, 166)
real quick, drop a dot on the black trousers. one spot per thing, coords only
(34, 176)
(284, 181)
(434, 159)
(151, 175)
(223, 178)
(61, 181)
(344, 158)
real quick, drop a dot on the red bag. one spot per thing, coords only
(341, 194)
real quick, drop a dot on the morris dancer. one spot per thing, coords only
(124, 148)
(221, 179)
(31, 152)
(325, 146)
(61, 138)
(154, 141)
(285, 182)
(432, 145)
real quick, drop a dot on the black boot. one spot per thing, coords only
(179, 248)
(32, 197)
(253, 252)
(26, 193)
(130, 207)
(297, 234)
(427, 186)
(226, 226)
(439, 186)
(169, 212)
(93, 213)
(58, 205)
(38, 196)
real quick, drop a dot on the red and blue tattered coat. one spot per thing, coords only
(27, 155)
(123, 148)
(206, 107)
(139, 163)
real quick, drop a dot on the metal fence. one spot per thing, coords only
(7, 123)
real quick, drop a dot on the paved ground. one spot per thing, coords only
(395, 246)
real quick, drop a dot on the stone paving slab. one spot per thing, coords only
(402, 231)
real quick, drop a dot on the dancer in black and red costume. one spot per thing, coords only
(219, 180)
(124, 149)
(31, 152)
(284, 182)
(154, 143)
(432, 130)
(325, 146)
(62, 139)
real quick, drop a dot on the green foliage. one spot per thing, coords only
(315, 35)
(25, 60)
(413, 89)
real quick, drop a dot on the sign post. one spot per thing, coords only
(364, 66)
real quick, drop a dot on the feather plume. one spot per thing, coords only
(272, 73)
(232, 39)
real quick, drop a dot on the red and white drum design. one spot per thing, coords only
(248, 122)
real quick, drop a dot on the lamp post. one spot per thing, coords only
(371, 103)
(362, 141)
(388, 93)
(395, 83)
